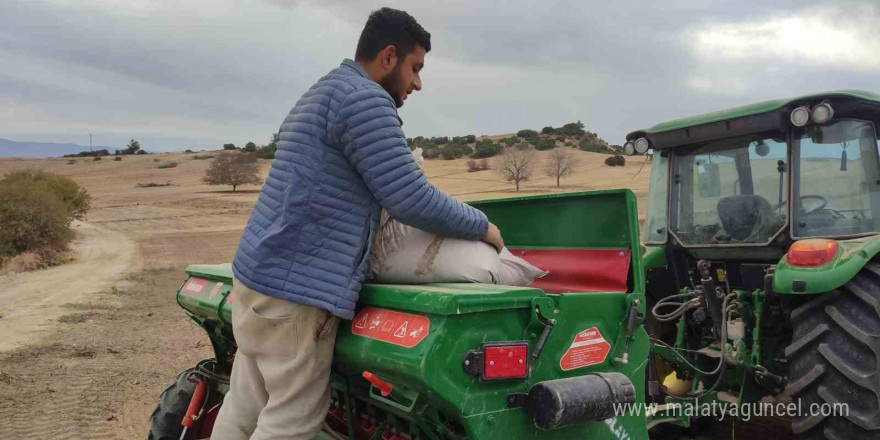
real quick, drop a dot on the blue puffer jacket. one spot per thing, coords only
(341, 158)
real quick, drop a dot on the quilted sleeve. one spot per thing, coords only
(371, 139)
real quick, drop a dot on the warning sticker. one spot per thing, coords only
(588, 348)
(195, 286)
(398, 328)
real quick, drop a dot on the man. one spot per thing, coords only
(342, 157)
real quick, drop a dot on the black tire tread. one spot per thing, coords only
(834, 357)
(173, 402)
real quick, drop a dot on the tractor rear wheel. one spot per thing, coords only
(173, 402)
(834, 359)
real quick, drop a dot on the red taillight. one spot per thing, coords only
(811, 253)
(505, 361)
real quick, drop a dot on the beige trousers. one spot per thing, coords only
(279, 387)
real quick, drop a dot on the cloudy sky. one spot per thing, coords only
(199, 73)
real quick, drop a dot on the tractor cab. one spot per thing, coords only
(765, 175)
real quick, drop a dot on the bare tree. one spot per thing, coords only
(234, 169)
(516, 163)
(561, 163)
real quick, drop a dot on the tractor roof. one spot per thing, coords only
(748, 110)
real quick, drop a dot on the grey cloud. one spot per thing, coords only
(228, 71)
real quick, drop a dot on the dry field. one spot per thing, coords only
(86, 348)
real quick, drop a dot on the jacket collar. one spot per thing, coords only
(355, 66)
(360, 71)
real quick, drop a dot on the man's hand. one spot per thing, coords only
(493, 237)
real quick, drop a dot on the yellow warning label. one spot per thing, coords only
(722, 275)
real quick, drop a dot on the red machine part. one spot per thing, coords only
(385, 388)
(195, 404)
(579, 270)
(505, 361)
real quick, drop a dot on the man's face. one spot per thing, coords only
(404, 77)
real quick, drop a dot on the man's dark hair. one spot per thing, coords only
(391, 27)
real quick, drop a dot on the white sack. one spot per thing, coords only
(406, 255)
(516, 271)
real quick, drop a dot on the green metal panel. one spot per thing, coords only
(853, 255)
(448, 299)
(653, 256)
(216, 272)
(748, 110)
(593, 219)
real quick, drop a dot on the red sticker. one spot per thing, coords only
(588, 348)
(396, 328)
(195, 286)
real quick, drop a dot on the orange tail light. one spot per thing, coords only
(812, 252)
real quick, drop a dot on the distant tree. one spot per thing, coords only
(470, 138)
(486, 149)
(141, 152)
(188, 151)
(526, 134)
(561, 163)
(132, 147)
(232, 169)
(268, 151)
(547, 130)
(229, 147)
(516, 164)
(573, 129)
(250, 147)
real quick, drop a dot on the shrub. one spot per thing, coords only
(229, 147)
(250, 147)
(65, 189)
(97, 158)
(545, 144)
(167, 165)
(36, 209)
(547, 130)
(474, 166)
(615, 161)
(71, 161)
(154, 184)
(117, 158)
(156, 159)
(202, 157)
(188, 151)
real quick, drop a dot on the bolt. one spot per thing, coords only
(491, 362)
(467, 362)
(520, 361)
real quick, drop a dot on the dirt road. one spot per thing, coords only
(31, 303)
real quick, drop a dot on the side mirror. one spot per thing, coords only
(709, 180)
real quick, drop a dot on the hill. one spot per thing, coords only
(10, 148)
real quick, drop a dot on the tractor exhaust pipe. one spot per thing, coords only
(562, 402)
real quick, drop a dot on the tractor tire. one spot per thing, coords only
(173, 402)
(834, 358)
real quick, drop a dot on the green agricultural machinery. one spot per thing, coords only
(755, 282)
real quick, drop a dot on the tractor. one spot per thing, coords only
(759, 255)
(755, 283)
